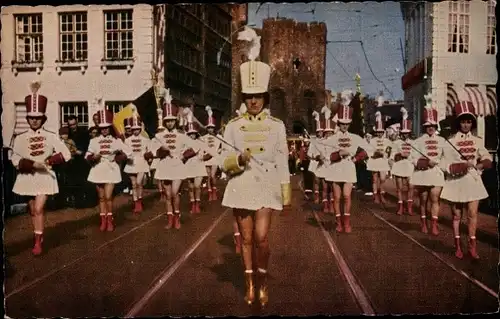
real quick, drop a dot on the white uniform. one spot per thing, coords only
(404, 167)
(467, 188)
(140, 145)
(258, 185)
(154, 163)
(324, 151)
(379, 164)
(214, 145)
(345, 170)
(432, 147)
(37, 146)
(312, 152)
(195, 166)
(171, 167)
(107, 171)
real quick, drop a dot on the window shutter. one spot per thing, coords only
(21, 122)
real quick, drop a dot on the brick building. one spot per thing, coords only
(296, 52)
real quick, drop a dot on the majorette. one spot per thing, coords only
(378, 163)
(138, 167)
(463, 164)
(314, 153)
(426, 154)
(214, 145)
(34, 152)
(104, 154)
(402, 167)
(329, 130)
(260, 179)
(343, 169)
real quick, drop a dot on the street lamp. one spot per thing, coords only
(226, 40)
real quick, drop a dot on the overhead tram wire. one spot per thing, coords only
(335, 59)
(371, 70)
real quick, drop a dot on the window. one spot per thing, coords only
(118, 32)
(491, 36)
(73, 44)
(21, 123)
(458, 26)
(29, 38)
(116, 106)
(78, 109)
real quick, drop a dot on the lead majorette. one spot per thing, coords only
(328, 131)
(317, 157)
(34, 153)
(105, 154)
(428, 178)
(137, 166)
(195, 156)
(463, 163)
(170, 146)
(342, 171)
(213, 144)
(378, 163)
(402, 167)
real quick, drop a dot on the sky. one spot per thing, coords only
(379, 26)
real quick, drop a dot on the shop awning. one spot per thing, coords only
(477, 99)
(491, 96)
(451, 100)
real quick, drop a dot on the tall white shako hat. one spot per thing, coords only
(135, 120)
(191, 126)
(464, 106)
(329, 125)
(105, 116)
(254, 75)
(127, 122)
(211, 118)
(405, 122)
(379, 123)
(317, 120)
(36, 104)
(344, 112)
(430, 114)
(170, 110)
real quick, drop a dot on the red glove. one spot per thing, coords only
(148, 156)
(26, 166)
(207, 157)
(361, 155)
(120, 157)
(423, 164)
(162, 152)
(398, 157)
(56, 159)
(335, 157)
(189, 153)
(486, 163)
(459, 169)
(377, 154)
(93, 159)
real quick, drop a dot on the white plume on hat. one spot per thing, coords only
(378, 116)
(404, 112)
(209, 110)
(346, 97)
(189, 115)
(167, 96)
(380, 99)
(315, 115)
(326, 110)
(249, 34)
(335, 117)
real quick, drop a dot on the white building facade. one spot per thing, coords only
(451, 49)
(78, 53)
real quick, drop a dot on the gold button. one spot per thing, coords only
(248, 149)
(261, 149)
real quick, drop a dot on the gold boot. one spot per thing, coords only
(263, 289)
(250, 288)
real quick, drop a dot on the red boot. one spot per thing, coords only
(331, 208)
(338, 221)
(472, 248)
(410, 207)
(177, 221)
(37, 247)
(214, 193)
(136, 207)
(170, 221)
(423, 224)
(400, 208)
(103, 223)
(140, 205)
(210, 197)
(458, 250)
(197, 209)
(326, 206)
(110, 225)
(434, 230)
(376, 198)
(193, 207)
(347, 223)
(237, 243)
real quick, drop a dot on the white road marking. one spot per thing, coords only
(167, 273)
(51, 273)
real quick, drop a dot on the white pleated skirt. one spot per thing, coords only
(195, 168)
(105, 172)
(170, 169)
(464, 189)
(40, 183)
(378, 165)
(138, 165)
(402, 168)
(430, 177)
(342, 172)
